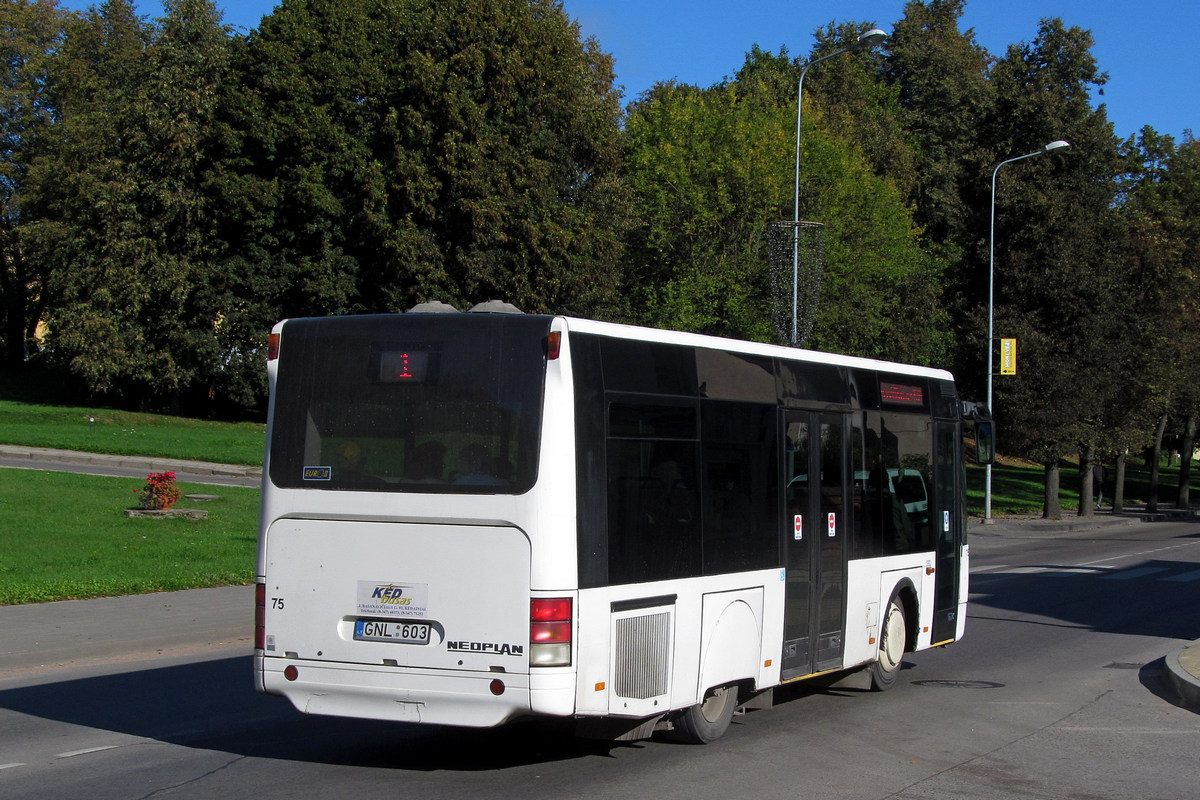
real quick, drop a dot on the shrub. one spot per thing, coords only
(160, 491)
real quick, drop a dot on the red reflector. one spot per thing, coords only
(291, 673)
(272, 347)
(260, 615)
(553, 343)
(550, 609)
(540, 632)
(497, 687)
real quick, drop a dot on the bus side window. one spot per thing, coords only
(653, 510)
(894, 476)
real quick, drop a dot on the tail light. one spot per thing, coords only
(272, 346)
(550, 632)
(260, 616)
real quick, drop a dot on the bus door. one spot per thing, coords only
(947, 519)
(817, 524)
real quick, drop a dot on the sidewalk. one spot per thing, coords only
(51, 636)
(1070, 522)
(15, 456)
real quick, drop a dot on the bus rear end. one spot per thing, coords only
(400, 500)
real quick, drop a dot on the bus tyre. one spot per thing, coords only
(892, 644)
(709, 720)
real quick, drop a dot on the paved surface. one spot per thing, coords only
(50, 636)
(46, 458)
(112, 629)
(1183, 664)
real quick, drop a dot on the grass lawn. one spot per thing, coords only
(103, 430)
(1020, 488)
(66, 536)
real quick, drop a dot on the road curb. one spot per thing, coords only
(1181, 678)
(1027, 525)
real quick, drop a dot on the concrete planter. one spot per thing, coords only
(184, 513)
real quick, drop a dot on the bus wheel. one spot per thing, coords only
(892, 644)
(709, 720)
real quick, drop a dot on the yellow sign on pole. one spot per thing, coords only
(1008, 356)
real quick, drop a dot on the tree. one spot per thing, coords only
(942, 78)
(861, 108)
(1061, 284)
(31, 33)
(396, 151)
(941, 75)
(712, 167)
(129, 222)
(1161, 197)
(705, 167)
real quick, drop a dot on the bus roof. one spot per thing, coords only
(621, 331)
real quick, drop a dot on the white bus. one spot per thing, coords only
(469, 518)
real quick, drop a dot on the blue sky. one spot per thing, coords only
(1154, 77)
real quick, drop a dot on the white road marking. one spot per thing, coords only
(74, 753)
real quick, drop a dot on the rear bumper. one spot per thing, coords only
(399, 694)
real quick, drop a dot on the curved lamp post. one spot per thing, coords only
(865, 40)
(1055, 145)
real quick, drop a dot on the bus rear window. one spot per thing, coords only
(413, 403)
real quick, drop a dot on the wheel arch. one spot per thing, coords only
(732, 651)
(906, 592)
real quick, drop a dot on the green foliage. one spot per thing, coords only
(30, 34)
(1062, 290)
(67, 536)
(407, 150)
(707, 168)
(881, 294)
(125, 217)
(1162, 194)
(861, 108)
(710, 168)
(941, 76)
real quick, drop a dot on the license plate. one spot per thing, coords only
(377, 630)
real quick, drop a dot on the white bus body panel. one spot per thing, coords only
(666, 643)
(964, 589)
(323, 575)
(870, 584)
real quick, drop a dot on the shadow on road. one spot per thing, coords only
(212, 705)
(1096, 598)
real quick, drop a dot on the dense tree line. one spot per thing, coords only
(170, 188)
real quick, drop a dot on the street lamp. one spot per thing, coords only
(868, 39)
(1055, 145)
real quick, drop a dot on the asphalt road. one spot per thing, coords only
(1057, 691)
